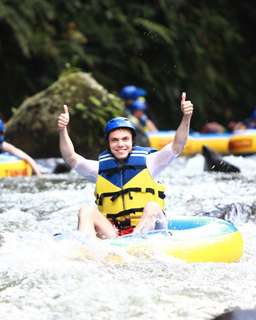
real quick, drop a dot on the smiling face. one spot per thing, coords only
(120, 143)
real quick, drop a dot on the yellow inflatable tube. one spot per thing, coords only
(192, 239)
(218, 142)
(11, 166)
(243, 142)
(218, 250)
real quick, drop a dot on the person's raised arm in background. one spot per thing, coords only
(8, 147)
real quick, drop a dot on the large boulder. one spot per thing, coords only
(33, 126)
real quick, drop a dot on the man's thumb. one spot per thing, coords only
(65, 108)
(183, 96)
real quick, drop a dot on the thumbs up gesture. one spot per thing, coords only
(186, 106)
(63, 119)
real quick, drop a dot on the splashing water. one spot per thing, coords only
(41, 278)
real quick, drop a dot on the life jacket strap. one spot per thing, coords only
(123, 213)
(116, 194)
(124, 191)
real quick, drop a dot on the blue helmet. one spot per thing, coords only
(132, 93)
(117, 123)
(138, 105)
(1, 131)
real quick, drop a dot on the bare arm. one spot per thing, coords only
(158, 161)
(66, 146)
(7, 147)
(182, 132)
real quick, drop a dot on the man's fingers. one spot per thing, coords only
(65, 108)
(183, 96)
(188, 108)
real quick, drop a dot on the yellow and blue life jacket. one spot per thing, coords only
(123, 189)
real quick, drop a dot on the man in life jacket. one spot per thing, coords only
(7, 147)
(128, 197)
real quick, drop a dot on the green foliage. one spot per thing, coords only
(95, 114)
(166, 46)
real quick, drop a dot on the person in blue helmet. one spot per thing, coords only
(128, 197)
(7, 147)
(135, 106)
(138, 110)
(130, 93)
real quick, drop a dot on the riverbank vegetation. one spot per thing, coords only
(166, 46)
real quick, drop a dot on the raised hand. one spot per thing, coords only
(186, 105)
(63, 119)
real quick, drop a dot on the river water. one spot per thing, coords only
(39, 280)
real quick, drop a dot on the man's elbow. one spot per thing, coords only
(71, 161)
(177, 148)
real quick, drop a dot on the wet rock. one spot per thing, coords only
(33, 126)
(61, 168)
(214, 162)
(233, 212)
(53, 165)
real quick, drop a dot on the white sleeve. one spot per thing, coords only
(87, 168)
(159, 160)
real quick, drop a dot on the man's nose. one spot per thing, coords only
(120, 142)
